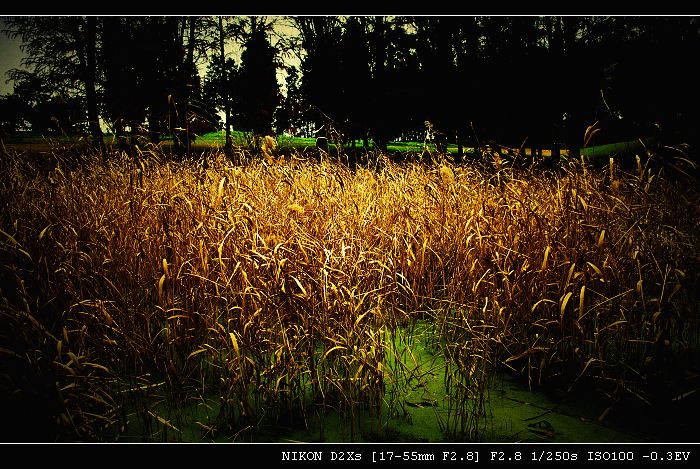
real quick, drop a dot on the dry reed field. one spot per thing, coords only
(281, 291)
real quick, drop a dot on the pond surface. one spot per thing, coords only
(513, 413)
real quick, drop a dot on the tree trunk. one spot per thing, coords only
(224, 83)
(460, 148)
(189, 69)
(89, 67)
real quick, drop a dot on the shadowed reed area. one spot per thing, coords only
(278, 292)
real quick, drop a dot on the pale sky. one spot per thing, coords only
(10, 57)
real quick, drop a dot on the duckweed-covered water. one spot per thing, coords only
(416, 410)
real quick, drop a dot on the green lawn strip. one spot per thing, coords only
(613, 149)
(215, 140)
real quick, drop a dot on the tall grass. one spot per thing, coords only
(278, 292)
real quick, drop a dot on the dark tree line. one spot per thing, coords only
(533, 81)
(538, 81)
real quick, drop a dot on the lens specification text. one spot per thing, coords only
(504, 457)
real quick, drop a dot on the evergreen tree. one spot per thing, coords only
(257, 89)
